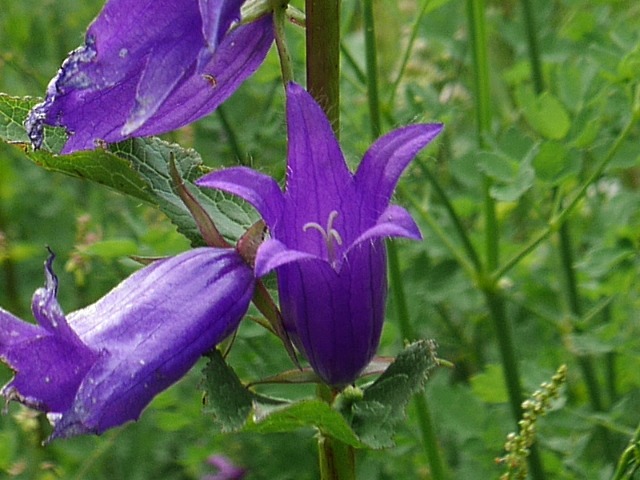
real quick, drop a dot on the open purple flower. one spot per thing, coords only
(327, 235)
(150, 67)
(98, 367)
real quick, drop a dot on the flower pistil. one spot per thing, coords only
(329, 234)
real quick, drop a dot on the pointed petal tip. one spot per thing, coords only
(394, 222)
(273, 254)
(294, 88)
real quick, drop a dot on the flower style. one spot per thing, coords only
(327, 235)
(148, 67)
(98, 367)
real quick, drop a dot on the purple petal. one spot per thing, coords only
(101, 366)
(216, 20)
(164, 69)
(386, 159)
(258, 189)
(239, 55)
(152, 328)
(273, 253)
(395, 221)
(48, 370)
(336, 318)
(147, 68)
(47, 311)
(50, 361)
(318, 180)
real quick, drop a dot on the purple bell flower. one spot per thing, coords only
(100, 366)
(327, 235)
(150, 67)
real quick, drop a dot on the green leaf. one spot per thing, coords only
(489, 385)
(512, 178)
(545, 113)
(99, 166)
(236, 408)
(225, 396)
(13, 113)
(137, 167)
(305, 413)
(149, 158)
(376, 416)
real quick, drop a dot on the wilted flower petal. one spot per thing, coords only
(98, 367)
(150, 67)
(327, 232)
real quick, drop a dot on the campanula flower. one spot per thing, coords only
(98, 367)
(150, 67)
(327, 233)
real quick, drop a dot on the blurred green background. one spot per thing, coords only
(540, 149)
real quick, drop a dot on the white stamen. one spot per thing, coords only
(330, 234)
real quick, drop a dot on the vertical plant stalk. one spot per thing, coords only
(532, 45)
(422, 407)
(585, 362)
(494, 299)
(336, 459)
(323, 56)
(371, 60)
(423, 412)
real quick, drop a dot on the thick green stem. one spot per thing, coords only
(585, 362)
(573, 299)
(336, 459)
(477, 29)
(323, 56)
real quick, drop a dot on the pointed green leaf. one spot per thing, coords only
(376, 416)
(150, 157)
(225, 397)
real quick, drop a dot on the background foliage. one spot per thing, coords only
(573, 299)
